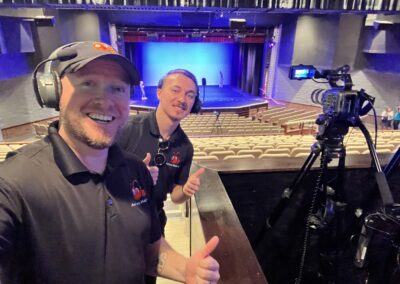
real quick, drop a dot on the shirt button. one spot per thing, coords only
(109, 201)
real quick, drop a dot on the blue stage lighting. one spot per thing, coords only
(205, 60)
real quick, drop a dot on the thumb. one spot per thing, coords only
(199, 172)
(209, 247)
(147, 159)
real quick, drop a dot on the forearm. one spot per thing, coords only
(177, 194)
(171, 264)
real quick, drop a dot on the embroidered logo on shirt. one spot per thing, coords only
(138, 192)
(175, 160)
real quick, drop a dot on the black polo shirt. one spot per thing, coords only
(60, 223)
(141, 136)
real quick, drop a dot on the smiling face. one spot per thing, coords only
(94, 104)
(177, 96)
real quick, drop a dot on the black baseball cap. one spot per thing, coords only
(78, 54)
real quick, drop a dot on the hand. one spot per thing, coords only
(152, 169)
(201, 267)
(193, 183)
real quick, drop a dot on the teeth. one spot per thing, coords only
(100, 117)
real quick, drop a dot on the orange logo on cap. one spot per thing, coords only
(103, 47)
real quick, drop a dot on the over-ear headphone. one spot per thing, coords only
(47, 85)
(197, 104)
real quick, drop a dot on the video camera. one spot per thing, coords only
(340, 101)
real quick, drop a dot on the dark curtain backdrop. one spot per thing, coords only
(133, 52)
(250, 68)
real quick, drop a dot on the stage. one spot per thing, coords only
(213, 98)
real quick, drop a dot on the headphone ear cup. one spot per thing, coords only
(48, 90)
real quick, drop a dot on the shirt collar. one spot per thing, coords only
(69, 163)
(155, 131)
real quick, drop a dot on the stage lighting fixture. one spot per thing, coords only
(271, 44)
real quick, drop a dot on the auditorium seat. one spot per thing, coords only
(269, 155)
(239, 147)
(360, 149)
(238, 157)
(15, 146)
(256, 153)
(301, 154)
(5, 148)
(380, 151)
(222, 154)
(298, 150)
(353, 152)
(199, 153)
(2, 156)
(278, 151)
(385, 146)
(205, 158)
(286, 145)
(209, 149)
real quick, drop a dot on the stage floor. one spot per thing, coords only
(213, 97)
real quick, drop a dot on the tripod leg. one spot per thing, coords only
(304, 169)
(288, 191)
(393, 163)
(384, 190)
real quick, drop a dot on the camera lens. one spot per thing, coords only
(159, 159)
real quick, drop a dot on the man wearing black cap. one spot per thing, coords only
(74, 208)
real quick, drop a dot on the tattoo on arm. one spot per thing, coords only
(161, 262)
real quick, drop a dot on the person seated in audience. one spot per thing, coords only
(396, 118)
(74, 207)
(159, 139)
(387, 118)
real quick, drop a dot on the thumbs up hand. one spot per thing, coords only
(193, 183)
(152, 169)
(201, 267)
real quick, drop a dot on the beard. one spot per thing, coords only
(99, 140)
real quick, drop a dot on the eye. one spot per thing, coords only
(118, 89)
(87, 83)
(191, 95)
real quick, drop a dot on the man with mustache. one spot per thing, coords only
(74, 207)
(158, 138)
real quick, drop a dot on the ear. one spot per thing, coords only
(159, 91)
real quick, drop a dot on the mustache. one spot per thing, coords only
(183, 106)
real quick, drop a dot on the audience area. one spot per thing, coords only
(261, 133)
(258, 147)
(258, 121)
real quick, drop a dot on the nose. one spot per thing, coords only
(104, 98)
(182, 97)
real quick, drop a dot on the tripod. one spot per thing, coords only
(217, 128)
(329, 227)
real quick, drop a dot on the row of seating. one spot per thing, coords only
(227, 148)
(226, 124)
(10, 146)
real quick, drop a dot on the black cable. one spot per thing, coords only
(317, 189)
